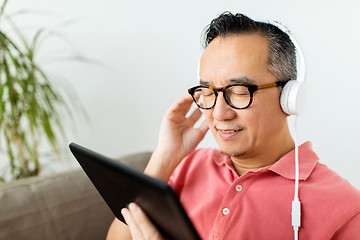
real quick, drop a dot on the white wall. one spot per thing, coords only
(153, 46)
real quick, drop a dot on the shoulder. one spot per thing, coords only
(201, 158)
(331, 196)
(209, 154)
(329, 181)
(350, 230)
(198, 163)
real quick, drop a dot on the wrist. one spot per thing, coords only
(161, 165)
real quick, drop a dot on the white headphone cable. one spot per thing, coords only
(296, 206)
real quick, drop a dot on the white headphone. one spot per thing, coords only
(292, 96)
(292, 100)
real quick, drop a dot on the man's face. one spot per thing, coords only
(247, 132)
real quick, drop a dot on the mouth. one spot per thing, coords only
(228, 133)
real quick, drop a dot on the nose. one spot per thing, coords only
(222, 111)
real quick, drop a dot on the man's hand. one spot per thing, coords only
(139, 224)
(177, 138)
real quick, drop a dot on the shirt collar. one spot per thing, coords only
(285, 166)
(308, 159)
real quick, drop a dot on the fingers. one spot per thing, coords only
(139, 224)
(182, 105)
(204, 127)
(135, 231)
(195, 115)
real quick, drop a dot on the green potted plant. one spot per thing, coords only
(31, 106)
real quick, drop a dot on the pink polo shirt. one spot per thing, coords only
(257, 205)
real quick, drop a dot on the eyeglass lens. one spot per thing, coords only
(236, 96)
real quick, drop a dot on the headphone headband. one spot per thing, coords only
(292, 97)
(300, 58)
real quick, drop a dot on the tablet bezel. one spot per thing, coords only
(119, 185)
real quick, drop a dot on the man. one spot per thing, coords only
(245, 190)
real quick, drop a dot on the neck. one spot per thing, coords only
(267, 155)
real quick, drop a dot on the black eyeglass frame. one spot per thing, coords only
(252, 88)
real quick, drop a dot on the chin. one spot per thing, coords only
(231, 152)
(234, 154)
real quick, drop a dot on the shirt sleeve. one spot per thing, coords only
(351, 230)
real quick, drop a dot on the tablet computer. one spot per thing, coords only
(120, 185)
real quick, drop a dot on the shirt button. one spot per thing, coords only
(225, 211)
(238, 188)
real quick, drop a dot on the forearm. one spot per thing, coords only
(161, 165)
(118, 230)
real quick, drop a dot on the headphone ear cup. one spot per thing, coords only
(289, 98)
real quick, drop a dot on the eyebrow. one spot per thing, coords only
(242, 80)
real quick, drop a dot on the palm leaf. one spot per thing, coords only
(31, 106)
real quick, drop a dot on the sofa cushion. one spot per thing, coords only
(59, 206)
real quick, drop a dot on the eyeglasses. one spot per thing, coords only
(237, 95)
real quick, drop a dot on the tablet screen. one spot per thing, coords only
(119, 185)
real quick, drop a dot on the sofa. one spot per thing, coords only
(59, 206)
